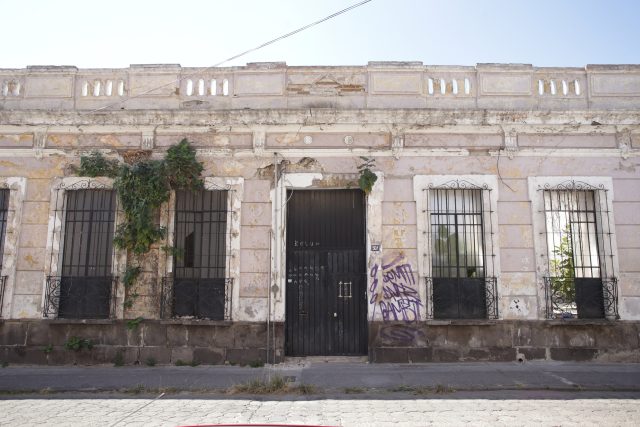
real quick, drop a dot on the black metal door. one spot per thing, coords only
(326, 304)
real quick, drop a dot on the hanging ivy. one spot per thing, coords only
(142, 188)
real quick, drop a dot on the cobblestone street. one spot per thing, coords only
(513, 408)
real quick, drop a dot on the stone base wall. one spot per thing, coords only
(457, 341)
(43, 342)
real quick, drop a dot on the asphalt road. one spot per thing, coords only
(333, 377)
(345, 394)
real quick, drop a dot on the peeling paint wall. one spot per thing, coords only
(524, 134)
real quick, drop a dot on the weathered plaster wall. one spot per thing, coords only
(503, 121)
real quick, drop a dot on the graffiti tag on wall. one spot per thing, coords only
(397, 297)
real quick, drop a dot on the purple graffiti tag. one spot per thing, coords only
(399, 299)
(373, 289)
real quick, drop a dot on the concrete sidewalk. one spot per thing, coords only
(336, 376)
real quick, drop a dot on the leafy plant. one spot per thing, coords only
(150, 361)
(563, 269)
(76, 343)
(367, 177)
(142, 188)
(48, 349)
(133, 323)
(183, 171)
(130, 276)
(95, 164)
(179, 362)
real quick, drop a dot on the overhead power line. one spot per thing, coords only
(204, 70)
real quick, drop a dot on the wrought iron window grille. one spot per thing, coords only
(197, 284)
(3, 281)
(491, 297)
(82, 284)
(4, 213)
(567, 300)
(580, 280)
(68, 297)
(462, 284)
(196, 298)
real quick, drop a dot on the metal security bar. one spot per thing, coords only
(198, 298)
(580, 282)
(461, 246)
(68, 297)
(4, 213)
(86, 286)
(3, 281)
(199, 287)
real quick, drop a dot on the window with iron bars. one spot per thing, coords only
(85, 288)
(200, 286)
(4, 211)
(580, 281)
(460, 285)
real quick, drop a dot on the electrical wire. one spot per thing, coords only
(204, 70)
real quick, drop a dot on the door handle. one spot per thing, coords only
(335, 314)
(344, 289)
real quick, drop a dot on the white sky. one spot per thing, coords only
(116, 33)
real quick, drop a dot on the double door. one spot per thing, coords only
(326, 306)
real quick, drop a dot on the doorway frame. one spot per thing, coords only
(315, 181)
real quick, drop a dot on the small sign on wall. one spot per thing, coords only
(375, 247)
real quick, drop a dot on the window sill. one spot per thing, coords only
(462, 322)
(200, 322)
(80, 321)
(580, 321)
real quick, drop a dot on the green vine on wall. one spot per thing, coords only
(142, 188)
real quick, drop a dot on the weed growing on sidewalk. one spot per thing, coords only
(422, 390)
(354, 390)
(277, 385)
(150, 361)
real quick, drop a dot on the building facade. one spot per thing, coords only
(501, 222)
